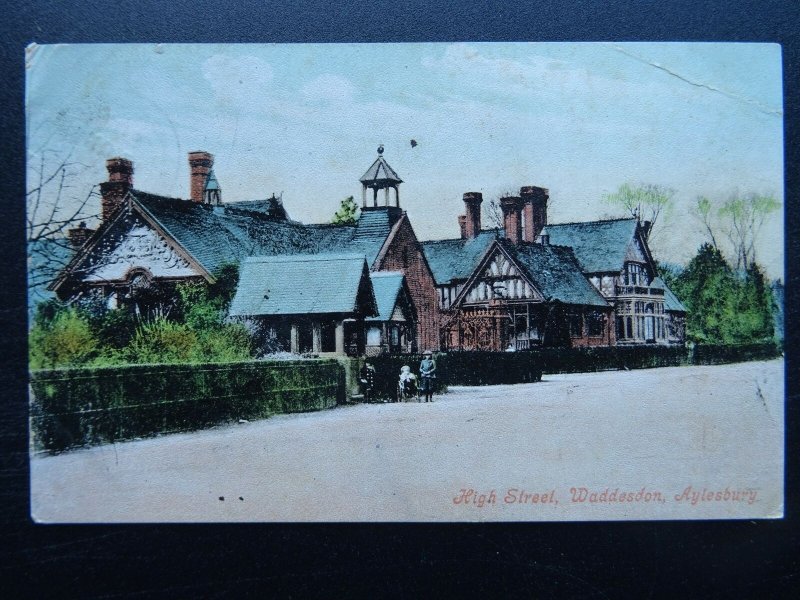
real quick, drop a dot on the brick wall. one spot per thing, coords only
(404, 253)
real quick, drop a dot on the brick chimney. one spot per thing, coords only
(200, 164)
(512, 218)
(120, 180)
(534, 207)
(472, 219)
(78, 235)
(462, 226)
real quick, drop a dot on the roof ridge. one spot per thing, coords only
(136, 191)
(614, 220)
(460, 239)
(386, 274)
(310, 257)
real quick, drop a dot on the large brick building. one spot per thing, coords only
(532, 283)
(146, 244)
(527, 284)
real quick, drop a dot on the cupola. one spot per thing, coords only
(380, 176)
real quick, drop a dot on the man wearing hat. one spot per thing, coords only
(427, 371)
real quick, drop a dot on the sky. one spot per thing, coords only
(305, 120)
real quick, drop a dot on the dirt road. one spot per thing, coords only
(684, 442)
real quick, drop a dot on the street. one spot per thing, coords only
(670, 443)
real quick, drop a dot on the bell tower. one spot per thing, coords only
(380, 176)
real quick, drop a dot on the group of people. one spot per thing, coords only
(408, 385)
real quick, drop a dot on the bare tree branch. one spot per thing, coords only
(52, 210)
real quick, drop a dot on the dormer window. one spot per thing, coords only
(635, 274)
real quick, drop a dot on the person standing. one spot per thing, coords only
(427, 372)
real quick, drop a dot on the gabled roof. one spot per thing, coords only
(309, 284)
(599, 246)
(671, 301)
(216, 235)
(556, 273)
(456, 258)
(387, 286)
(380, 172)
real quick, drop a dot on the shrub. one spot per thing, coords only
(162, 341)
(227, 343)
(63, 339)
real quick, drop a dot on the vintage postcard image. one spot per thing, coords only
(405, 282)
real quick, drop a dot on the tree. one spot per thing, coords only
(723, 307)
(493, 212)
(53, 208)
(644, 202)
(738, 220)
(347, 213)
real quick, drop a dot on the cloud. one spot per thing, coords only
(237, 80)
(328, 88)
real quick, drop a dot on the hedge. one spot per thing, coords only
(87, 406)
(458, 368)
(492, 368)
(713, 355)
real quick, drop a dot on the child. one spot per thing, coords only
(408, 383)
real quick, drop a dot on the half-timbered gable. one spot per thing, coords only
(453, 261)
(526, 295)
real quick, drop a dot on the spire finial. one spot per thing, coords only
(380, 149)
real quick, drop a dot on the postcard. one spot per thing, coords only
(405, 282)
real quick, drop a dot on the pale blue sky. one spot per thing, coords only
(305, 120)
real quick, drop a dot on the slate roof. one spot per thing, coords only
(599, 246)
(555, 272)
(380, 172)
(457, 258)
(216, 235)
(387, 286)
(671, 301)
(310, 284)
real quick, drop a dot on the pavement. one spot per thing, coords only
(670, 443)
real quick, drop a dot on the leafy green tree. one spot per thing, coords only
(756, 307)
(722, 307)
(347, 213)
(645, 202)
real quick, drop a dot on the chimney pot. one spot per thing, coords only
(78, 235)
(512, 218)
(462, 226)
(113, 191)
(534, 208)
(120, 169)
(472, 202)
(200, 163)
